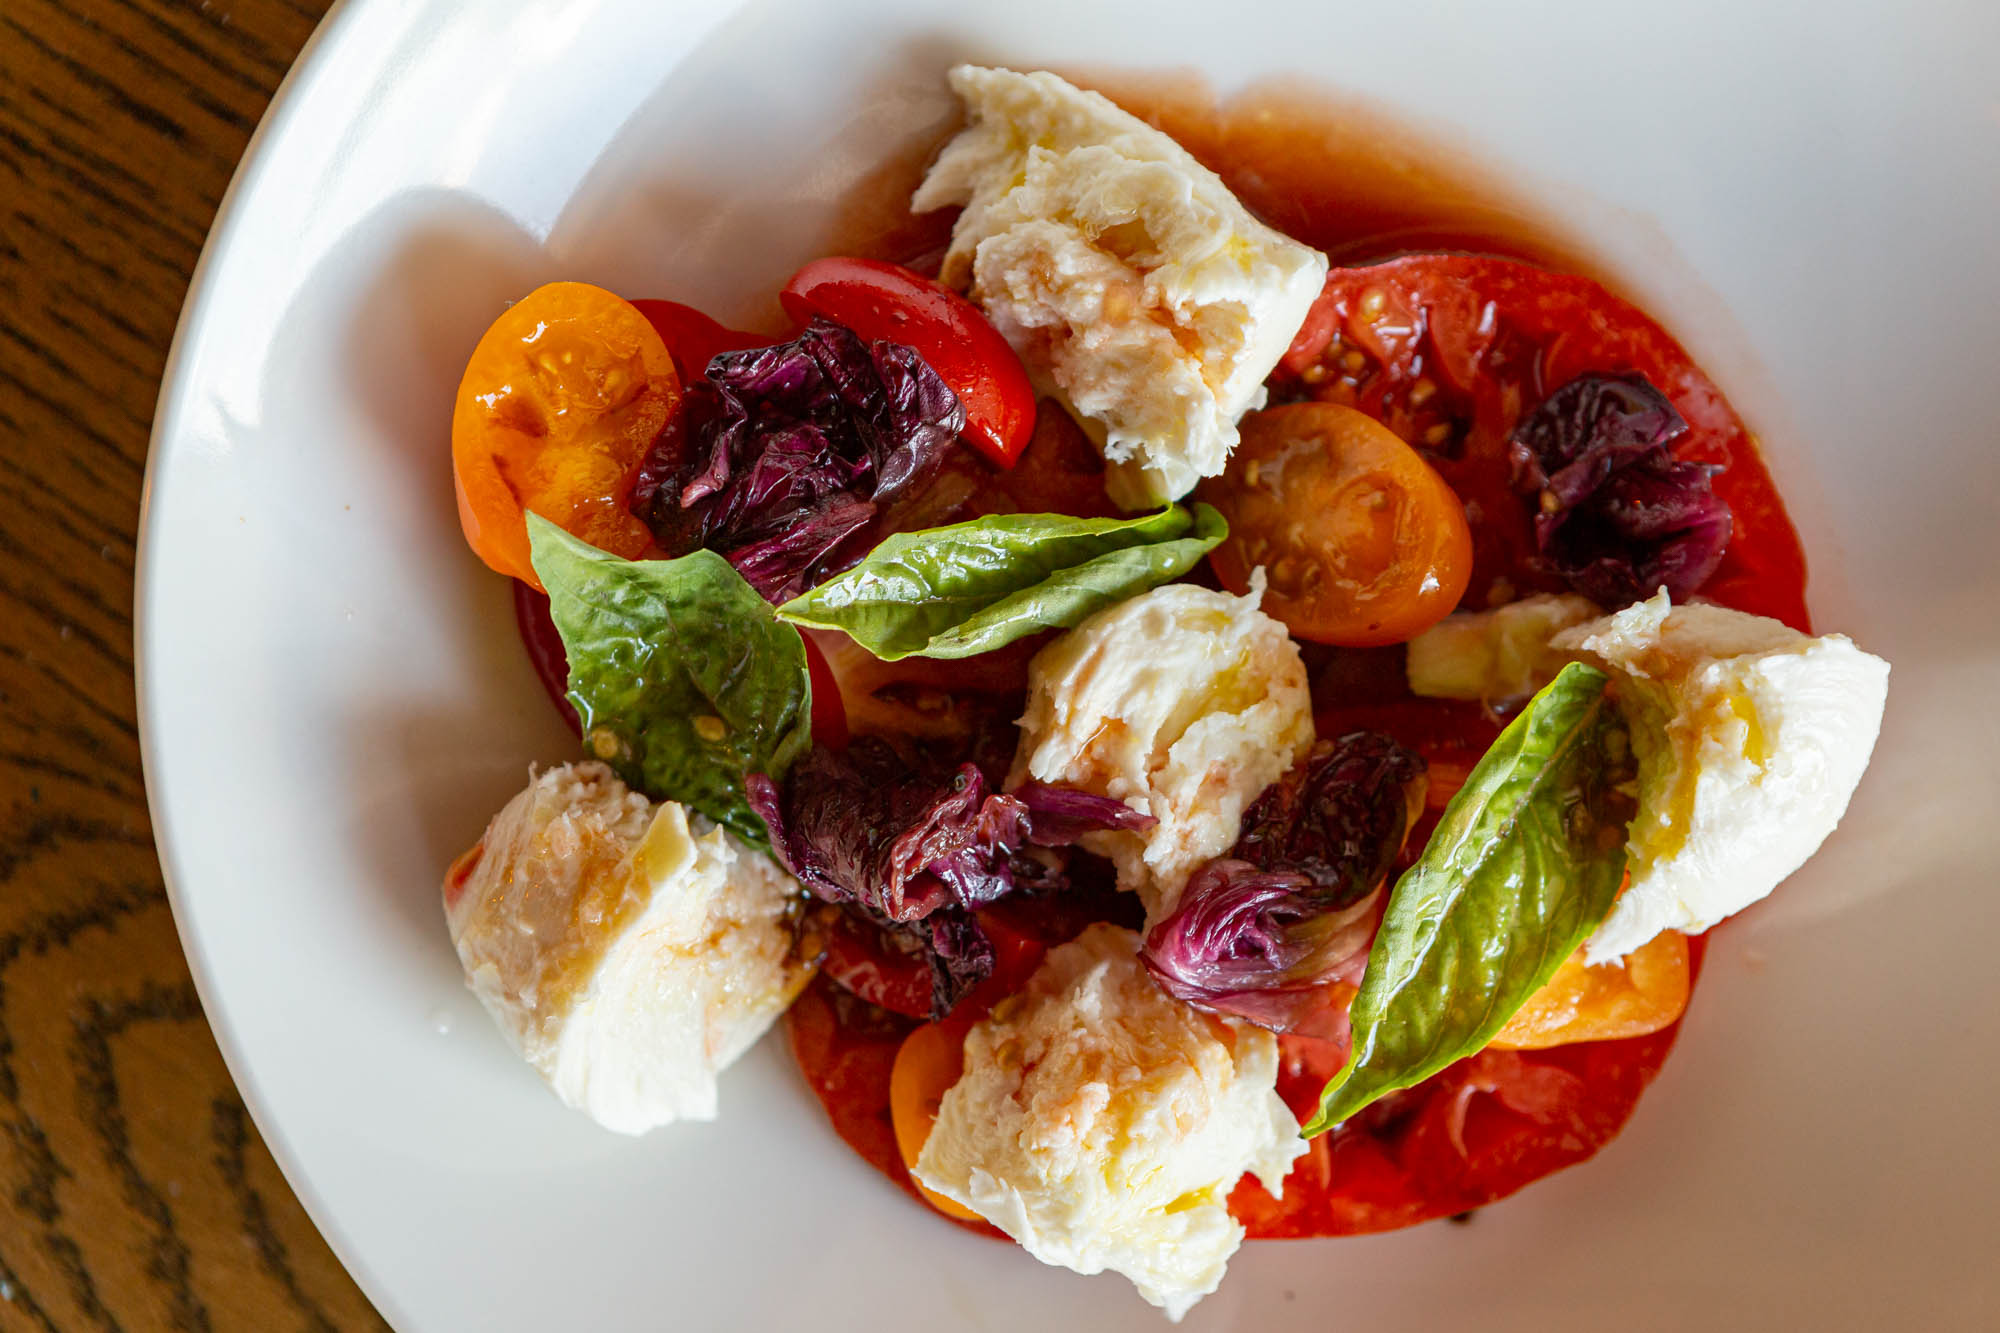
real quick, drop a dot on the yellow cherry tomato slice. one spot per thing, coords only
(559, 404)
(1644, 993)
(1361, 541)
(927, 1063)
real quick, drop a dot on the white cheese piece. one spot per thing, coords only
(629, 954)
(1102, 1123)
(1183, 703)
(1134, 285)
(1497, 656)
(1750, 736)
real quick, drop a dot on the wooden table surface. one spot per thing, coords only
(134, 1190)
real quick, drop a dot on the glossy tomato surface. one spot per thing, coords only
(558, 406)
(1361, 541)
(882, 301)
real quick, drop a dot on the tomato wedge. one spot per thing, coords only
(692, 338)
(561, 400)
(1450, 351)
(883, 301)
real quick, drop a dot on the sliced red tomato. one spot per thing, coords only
(1449, 351)
(692, 338)
(883, 301)
(863, 962)
(559, 404)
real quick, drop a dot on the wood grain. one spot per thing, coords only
(134, 1191)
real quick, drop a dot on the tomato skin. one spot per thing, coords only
(1362, 542)
(829, 710)
(1451, 350)
(692, 338)
(886, 302)
(545, 649)
(559, 404)
(860, 961)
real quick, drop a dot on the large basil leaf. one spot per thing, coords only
(969, 588)
(683, 678)
(1523, 866)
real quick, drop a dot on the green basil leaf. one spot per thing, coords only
(683, 678)
(969, 588)
(1524, 865)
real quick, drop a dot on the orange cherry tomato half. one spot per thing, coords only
(1641, 994)
(928, 1062)
(1361, 541)
(692, 338)
(559, 404)
(886, 302)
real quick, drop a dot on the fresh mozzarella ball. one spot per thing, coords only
(1183, 703)
(1102, 1123)
(1750, 736)
(1134, 285)
(1496, 657)
(629, 953)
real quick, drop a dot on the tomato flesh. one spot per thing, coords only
(1361, 541)
(1450, 351)
(559, 404)
(886, 302)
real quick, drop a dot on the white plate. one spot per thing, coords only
(334, 702)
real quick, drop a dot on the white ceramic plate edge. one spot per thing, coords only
(167, 412)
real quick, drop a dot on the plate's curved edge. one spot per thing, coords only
(168, 408)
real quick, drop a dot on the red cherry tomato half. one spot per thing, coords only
(860, 959)
(692, 338)
(829, 710)
(886, 302)
(545, 648)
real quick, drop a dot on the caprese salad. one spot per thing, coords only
(1196, 742)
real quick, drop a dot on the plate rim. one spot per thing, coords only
(322, 47)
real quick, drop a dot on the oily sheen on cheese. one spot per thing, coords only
(1102, 1123)
(629, 952)
(1751, 738)
(1133, 284)
(1184, 703)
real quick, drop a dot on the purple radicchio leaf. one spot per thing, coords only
(1339, 817)
(959, 953)
(910, 842)
(781, 455)
(1261, 933)
(1617, 515)
(1259, 944)
(886, 828)
(1061, 816)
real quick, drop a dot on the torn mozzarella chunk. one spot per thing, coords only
(1102, 1123)
(1134, 285)
(1499, 656)
(629, 951)
(1183, 703)
(1751, 738)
